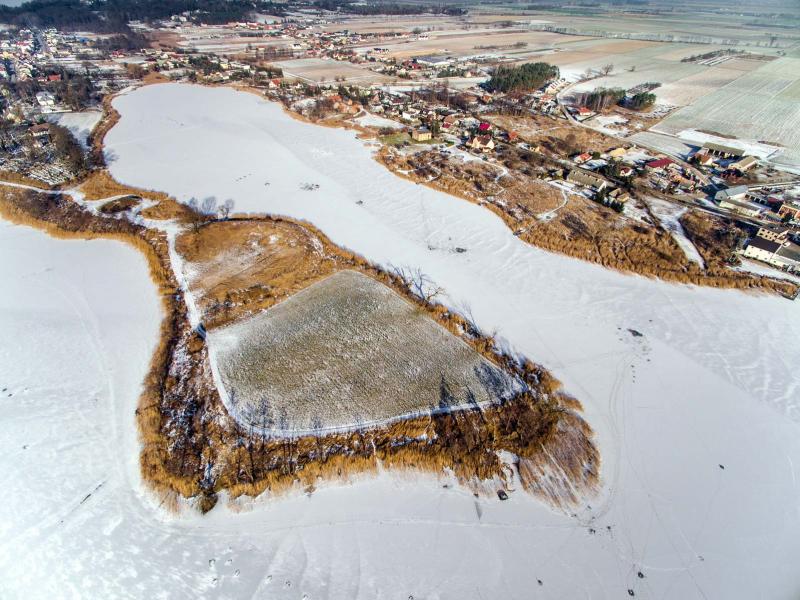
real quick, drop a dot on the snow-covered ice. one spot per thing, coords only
(698, 419)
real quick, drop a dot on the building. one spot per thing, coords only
(738, 192)
(773, 235)
(703, 158)
(481, 142)
(748, 162)
(742, 207)
(658, 165)
(45, 99)
(582, 158)
(434, 60)
(783, 256)
(40, 132)
(790, 210)
(761, 249)
(581, 177)
(421, 135)
(723, 150)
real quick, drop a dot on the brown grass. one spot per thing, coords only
(184, 427)
(14, 177)
(247, 266)
(100, 185)
(582, 229)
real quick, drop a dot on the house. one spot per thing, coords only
(40, 132)
(625, 171)
(738, 192)
(584, 113)
(485, 127)
(658, 165)
(744, 164)
(581, 158)
(421, 135)
(481, 142)
(581, 177)
(704, 159)
(619, 195)
(512, 136)
(723, 150)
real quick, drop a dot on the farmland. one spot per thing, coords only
(318, 70)
(763, 105)
(347, 351)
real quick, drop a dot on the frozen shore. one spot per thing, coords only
(693, 393)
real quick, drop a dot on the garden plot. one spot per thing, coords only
(346, 352)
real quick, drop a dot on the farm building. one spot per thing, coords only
(742, 207)
(738, 192)
(761, 249)
(657, 166)
(748, 162)
(785, 255)
(434, 60)
(773, 235)
(723, 150)
(582, 177)
(790, 209)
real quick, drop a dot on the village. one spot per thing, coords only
(54, 83)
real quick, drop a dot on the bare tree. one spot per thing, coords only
(225, 209)
(606, 69)
(420, 284)
(209, 205)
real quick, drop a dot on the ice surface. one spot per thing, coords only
(711, 383)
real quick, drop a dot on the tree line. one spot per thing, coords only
(529, 76)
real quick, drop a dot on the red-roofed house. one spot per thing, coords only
(659, 164)
(484, 127)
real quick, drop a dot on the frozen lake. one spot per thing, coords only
(711, 383)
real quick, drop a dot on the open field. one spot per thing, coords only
(467, 43)
(318, 69)
(235, 268)
(343, 353)
(761, 106)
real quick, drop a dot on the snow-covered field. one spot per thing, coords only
(698, 419)
(669, 216)
(370, 120)
(344, 353)
(80, 124)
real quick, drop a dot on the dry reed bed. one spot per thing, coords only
(191, 448)
(582, 229)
